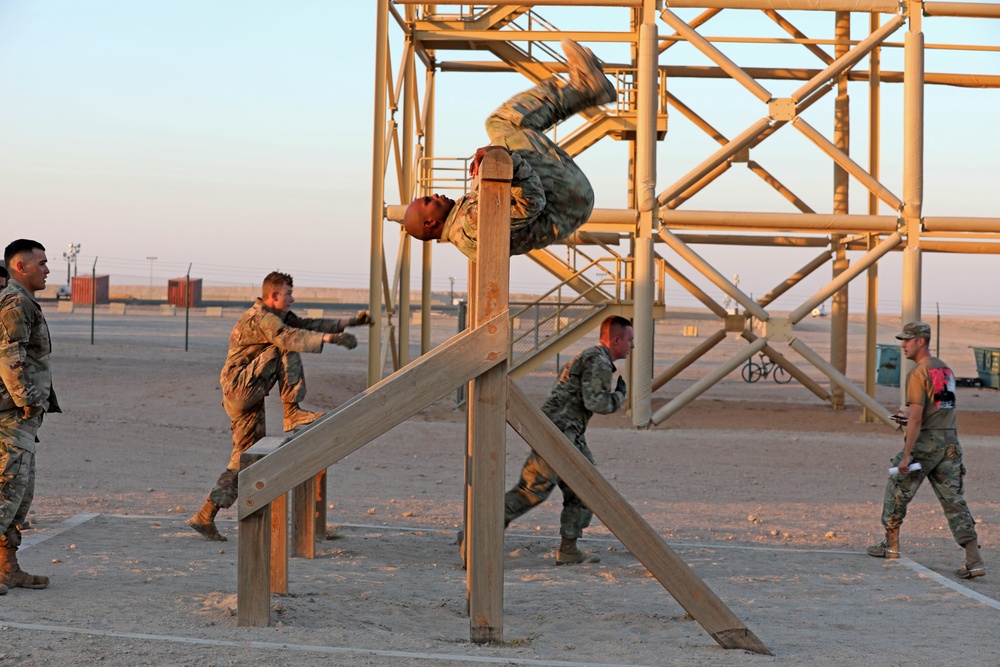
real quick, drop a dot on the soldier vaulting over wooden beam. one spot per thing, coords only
(550, 196)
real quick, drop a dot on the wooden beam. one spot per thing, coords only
(373, 412)
(488, 407)
(628, 526)
(279, 545)
(253, 580)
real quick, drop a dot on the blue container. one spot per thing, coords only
(888, 359)
(988, 366)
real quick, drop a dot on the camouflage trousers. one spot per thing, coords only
(536, 483)
(519, 126)
(17, 475)
(940, 457)
(243, 395)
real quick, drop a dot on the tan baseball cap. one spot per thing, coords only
(915, 330)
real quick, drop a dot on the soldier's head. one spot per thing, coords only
(3, 277)
(425, 216)
(277, 292)
(915, 339)
(617, 335)
(27, 264)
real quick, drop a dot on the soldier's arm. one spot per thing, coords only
(15, 331)
(595, 385)
(328, 325)
(527, 196)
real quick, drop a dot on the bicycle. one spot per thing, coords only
(754, 371)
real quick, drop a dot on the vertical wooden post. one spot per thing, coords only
(304, 519)
(488, 408)
(253, 589)
(279, 545)
(321, 505)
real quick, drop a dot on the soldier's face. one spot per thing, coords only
(911, 346)
(621, 345)
(33, 268)
(283, 299)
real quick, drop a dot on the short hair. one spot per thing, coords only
(614, 326)
(15, 248)
(274, 281)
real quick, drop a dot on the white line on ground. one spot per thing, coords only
(945, 581)
(68, 524)
(434, 658)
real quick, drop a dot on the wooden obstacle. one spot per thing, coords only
(477, 356)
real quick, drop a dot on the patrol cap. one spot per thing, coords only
(915, 330)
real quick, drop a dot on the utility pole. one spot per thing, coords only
(70, 257)
(151, 260)
(451, 294)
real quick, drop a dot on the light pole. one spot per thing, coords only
(151, 260)
(70, 257)
(451, 295)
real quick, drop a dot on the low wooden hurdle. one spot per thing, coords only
(477, 356)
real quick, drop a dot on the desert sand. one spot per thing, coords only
(768, 494)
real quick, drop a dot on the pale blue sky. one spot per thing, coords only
(237, 135)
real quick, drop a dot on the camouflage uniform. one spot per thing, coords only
(263, 350)
(584, 388)
(932, 384)
(550, 196)
(25, 347)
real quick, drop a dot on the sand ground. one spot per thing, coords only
(769, 495)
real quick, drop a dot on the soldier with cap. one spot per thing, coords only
(550, 195)
(932, 441)
(26, 396)
(264, 350)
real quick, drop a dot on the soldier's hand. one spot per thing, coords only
(346, 340)
(30, 411)
(361, 318)
(621, 385)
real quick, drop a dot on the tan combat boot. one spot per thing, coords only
(974, 566)
(887, 548)
(204, 522)
(11, 574)
(296, 416)
(586, 74)
(568, 554)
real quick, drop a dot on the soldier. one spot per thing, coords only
(25, 396)
(550, 196)
(3, 277)
(932, 441)
(584, 388)
(263, 350)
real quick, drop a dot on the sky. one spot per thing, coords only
(235, 137)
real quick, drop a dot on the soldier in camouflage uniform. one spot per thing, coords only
(264, 349)
(932, 441)
(584, 388)
(25, 396)
(550, 196)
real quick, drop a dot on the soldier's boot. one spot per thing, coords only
(887, 548)
(11, 574)
(3, 590)
(296, 416)
(204, 522)
(568, 554)
(974, 566)
(585, 74)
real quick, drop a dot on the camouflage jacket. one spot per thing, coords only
(527, 205)
(584, 388)
(260, 328)
(25, 347)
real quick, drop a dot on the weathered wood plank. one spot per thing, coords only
(372, 413)
(279, 545)
(628, 526)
